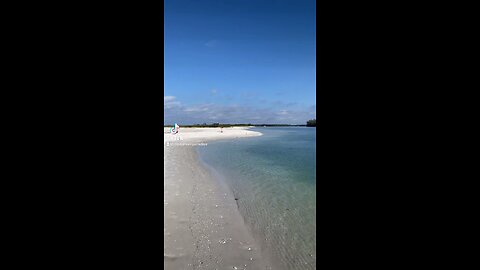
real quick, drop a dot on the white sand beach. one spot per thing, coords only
(195, 135)
(203, 228)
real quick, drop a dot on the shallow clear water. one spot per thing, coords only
(274, 178)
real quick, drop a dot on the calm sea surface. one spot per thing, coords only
(274, 178)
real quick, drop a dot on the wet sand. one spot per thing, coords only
(203, 228)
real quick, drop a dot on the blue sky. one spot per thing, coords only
(239, 61)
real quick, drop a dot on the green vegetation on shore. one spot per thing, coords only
(312, 123)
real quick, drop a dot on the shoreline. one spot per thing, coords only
(196, 135)
(203, 227)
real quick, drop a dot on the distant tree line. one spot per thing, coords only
(312, 123)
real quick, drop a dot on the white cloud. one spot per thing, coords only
(169, 102)
(175, 111)
(168, 98)
(211, 43)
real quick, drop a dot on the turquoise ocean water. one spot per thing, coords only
(274, 178)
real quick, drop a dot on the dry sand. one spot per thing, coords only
(190, 135)
(203, 228)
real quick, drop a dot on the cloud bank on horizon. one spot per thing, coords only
(177, 112)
